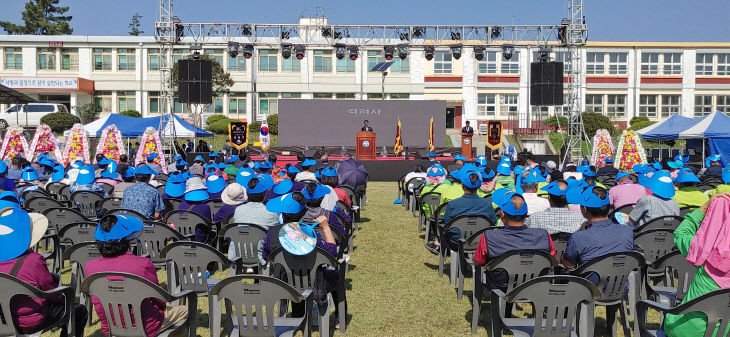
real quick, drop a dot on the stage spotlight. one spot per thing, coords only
(479, 53)
(429, 51)
(455, 35)
(338, 34)
(389, 50)
(286, 51)
(419, 31)
(285, 34)
(507, 51)
(456, 51)
(299, 51)
(233, 49)
(543, 54)
(496, 32)
(340, 51)
(247, 51)
(326, 32)
(353, 52)
(247, 30)
(404, 35)
(402, 51)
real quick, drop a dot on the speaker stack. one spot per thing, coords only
(546, 83)
(195, 81)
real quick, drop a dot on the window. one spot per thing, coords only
(102, 58)
(564, 56)
(398, 66)
(236, 64)
(564, 110)
(442, 62)
(319, 95)
(670, 105)
(375, 96)
(268, 59)
(291, 64)
(179, 54)
(125, 59)
(374, 57)
(616, 106)
(400, 96)
(672, 63)
(236, 102)
(69, 59)
(323, 61)
(488, 65)
(13, 58)
(703, 65)
(511, 66)
(153, 99)
(723, 103)
(703, 105)
(345, 96)
(595, 63)
(486, 105)
(345, 65)
(216, 54)
(617, 64)
(216, 106)
(649, 63)
(723, 64)
(126, 101)
(46, 59)
(291, 95)
(508, 104)
(103, 101)
(177, 107)
(594, 103)
(153, 59)
(268, 103)
(647, 106)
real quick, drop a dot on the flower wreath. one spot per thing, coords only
(151, 144)
(77, 146)
(44, 142)
(630, 152)
(14, 144)
(111, 144)
(602, 148)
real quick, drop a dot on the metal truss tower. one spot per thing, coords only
(165, 36)
(575, 39)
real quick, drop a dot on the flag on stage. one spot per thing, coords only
(398, 147)
(264, 136)
(431, 148)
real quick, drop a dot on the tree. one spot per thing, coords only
(593, 121)
(87, 112)
(222, 83)
(135, 25)
(41, 17)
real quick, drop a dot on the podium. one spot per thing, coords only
(466, 144)
(365, 145)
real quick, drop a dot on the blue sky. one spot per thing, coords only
(609, 20)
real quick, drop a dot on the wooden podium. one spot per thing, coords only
(466, 144)
(365, 145)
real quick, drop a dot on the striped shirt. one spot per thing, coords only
(556, 220)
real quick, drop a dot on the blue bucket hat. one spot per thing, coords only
(682, 157)
(466, 179)
(318, 174)
(105, 161)
(319, 192)
(554, 189)
(11, 197)
(177, 157)
(586, 198)
(152, 156)
(309, 162)
(621, 175)
(222, 166)
(195, 190)
(432, 154)
(675, 164)
(283, 187)
(126, 228)
(486, 172)
(29, 174)
(45, 161)
(15, 234)
(609, 160)
(86, 175)
(265, 183)
(687, 177)
(481, 160)
(58, 173)
(711, 159)
(175, 186)
(3, 167)
(459, 157)
(292, 169)
(244, 174)
(640, 168)
(110, 171)
(726, 174)
(181, 163)
(656, 165)
(130, 172)
(501, 197)
(533, 177)
(575, 188)
(284, 204)
(505, 166)
(199, 158)
(215, 183)
(586, 170)
(436, 171)
(77, 163)
(213, 155)
(661, 185)
(329, 172)
(144, 170)
(232, 159)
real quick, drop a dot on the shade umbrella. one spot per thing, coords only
(352, 173)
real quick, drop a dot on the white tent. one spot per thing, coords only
(94, 128)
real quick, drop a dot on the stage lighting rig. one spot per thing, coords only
(233, 49)
(299, 51)
(496, 32)
(247, 31)
(247, 51)
(456, 51)
(389, 51)
(507, 51)
(354, 51)
(479, 52)
(340, 50)
(403, 51)
(419, 31)
(286, 51)
(429, 51)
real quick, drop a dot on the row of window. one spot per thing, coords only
(708, 64)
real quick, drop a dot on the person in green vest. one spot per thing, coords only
(694, 324)
(687, 194)
(504, 174)
(435, 182)
(231, 168)
(725, 179)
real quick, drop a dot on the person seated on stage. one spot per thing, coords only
(113, 236)
(254, 211)
(558, 218)
(198, 166)
(608, 170)
(658, 204)
(366, 126)
(195, 199)
(467, 129)
(697, 239)
(85, 182)
(601, 237)
(331, 179)
(514, 235)
(505, 178)
(416, 173)
(29, 181)
(308, 168)
(687, 194)
(16, 168)
(233, 196)
(151, 164)
(714, 167)
(142, 197)
(470, 203)
(128, 179)
(722, 187)
(626, 192)
(528, 188)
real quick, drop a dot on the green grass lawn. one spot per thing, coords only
(393, 283)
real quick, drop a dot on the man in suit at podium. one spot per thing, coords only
(366, 126)
(468, 129)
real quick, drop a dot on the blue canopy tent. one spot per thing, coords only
(716, 128)
(669, 128)
(132, 127)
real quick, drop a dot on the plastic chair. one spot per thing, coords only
(467, 247)
(155, 236)
(35, 193)
(354, 200)
(76, 232)
(126, 291)
(109, 189)
(468, 225)
(560, 241)
(411, 185)
(215, 205)
(111, 203)
(59, 217)
(13, 286)
(433, 200)
(563, 306)
(188, 263)
(41, 204)
(401, 194)
(187, 221)
(343, 206)
(713, 304)
(626, 209)
(669, 222)
(77, 255)
(349, 232)
(126, 212)
(301, 271)
(520, 265)
(654, 243)
(244, 238)
(677, 268)
(87, 202)
(161, 189)
(433, 224)
(267, 295)
(686, 210)
(64, 193)
(54, 189)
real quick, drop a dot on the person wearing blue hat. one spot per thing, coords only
(174, 187)
(713, 167)
(180, 166)
(436, 182)
(687, 194)
(657, 204)
(284, 186)
(151, 163)
(308, 168)
(626, 191)
(196, 199)
(331, 178)
(254, 211)
(198, 167)
(6, 183)
(109, 175)
(128, 179)
(264, 166)
(85, 182)
(528, 189)
(45, 168)
(314, 194)
(215, 184)
(504, 173)
(28, 181)
(481, 160)
(432, 156)
(114, 235)
(291, 171)
(57, 175)
(601, 237)
(558, 218)
(608, 169)
(142, 197)
(458, 163)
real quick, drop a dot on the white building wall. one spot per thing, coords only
(633, 67)
(29, 61)
(469, 88)
(689, 59)
(524, 91)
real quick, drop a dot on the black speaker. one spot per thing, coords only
(546, 83)
(314, 154)
(195, 81)
(421, 155)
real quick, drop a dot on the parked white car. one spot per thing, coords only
(28, 114)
